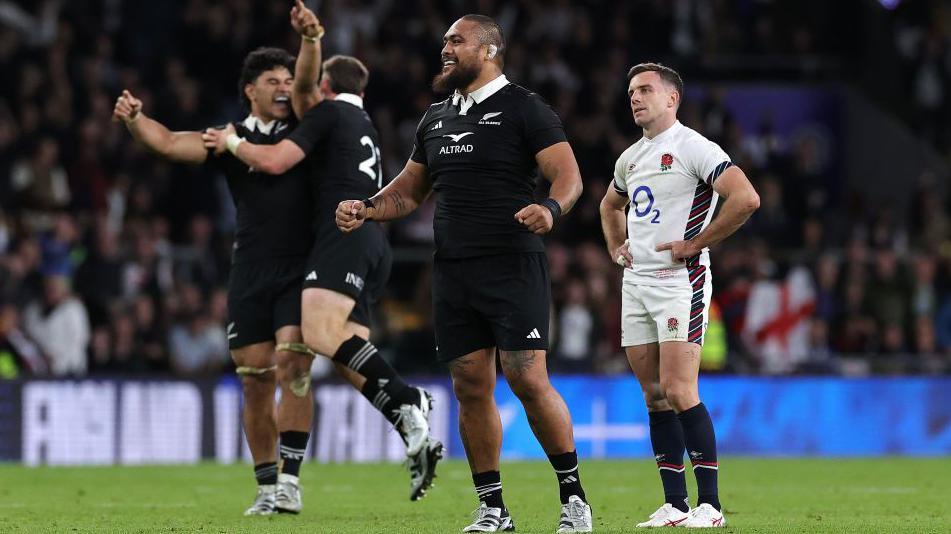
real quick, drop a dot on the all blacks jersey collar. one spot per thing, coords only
(255, 123)
(350, 98)
(479, 95)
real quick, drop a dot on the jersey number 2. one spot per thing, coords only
(367, 165)
(648, 207)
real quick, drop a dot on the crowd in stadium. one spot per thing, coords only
(113, 261)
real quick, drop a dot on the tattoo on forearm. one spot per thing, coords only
(515, 362)
(379, 205)
(398, 202)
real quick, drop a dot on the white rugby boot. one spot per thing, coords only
(705, 516)
(575, 516)
(665, 516)
(264, 502)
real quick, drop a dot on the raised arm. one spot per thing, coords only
(399, 198)
(613, 224)
(741, 200)
(558, 165)
(269, 159)
(305, 93)
(185, 147)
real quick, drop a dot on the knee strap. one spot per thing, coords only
(254, 371)
(299, 348)
(300, 385)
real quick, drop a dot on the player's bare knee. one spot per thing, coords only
(655, 399)
(528, 388)
(324, 335)
(258, 386)
(680, 395)
(471, 389)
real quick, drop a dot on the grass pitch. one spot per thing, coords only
(759, 495)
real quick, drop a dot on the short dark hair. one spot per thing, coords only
(261, 60)
(490, 33)
(347, 74)
(666, 73)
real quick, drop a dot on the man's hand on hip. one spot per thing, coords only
(622, 255)
(679, 250)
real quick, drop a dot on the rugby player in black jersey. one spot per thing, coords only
(272, 239)
(346, 274)
(479, 151)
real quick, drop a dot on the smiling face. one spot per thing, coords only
(463, 57)
(651, 98)
(270, 94)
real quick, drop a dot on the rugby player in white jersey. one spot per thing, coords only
(672, 178)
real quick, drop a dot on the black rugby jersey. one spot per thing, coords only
(482, 167)
(344, 152)
(273, 212)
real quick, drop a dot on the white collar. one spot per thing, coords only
(479, 95)
(252, 123)
(350, 98)
(666, 133)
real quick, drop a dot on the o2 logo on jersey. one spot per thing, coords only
(643, 204)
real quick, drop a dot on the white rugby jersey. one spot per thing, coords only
(669, 180)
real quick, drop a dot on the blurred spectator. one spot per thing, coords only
(149, 343)
(195, 262)
(19, 356)
(197, 346)
(575, 330)
(39, 182)
(60, 326)
(888, 294)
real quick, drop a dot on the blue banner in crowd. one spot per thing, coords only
(754, 416)
(81, 422)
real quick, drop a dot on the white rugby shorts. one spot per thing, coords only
(652, 314)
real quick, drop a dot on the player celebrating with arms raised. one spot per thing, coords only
(346, 274)
(672, 178)
(271, 243)
(479, 151)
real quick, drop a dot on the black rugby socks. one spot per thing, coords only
(667, 440)
(702, 448)
(361, 356)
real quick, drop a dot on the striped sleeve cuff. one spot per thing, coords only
(712, 177)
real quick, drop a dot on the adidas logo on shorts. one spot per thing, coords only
(533, 334)
(311, 276)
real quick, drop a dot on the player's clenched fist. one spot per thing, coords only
(536, 218)
(304, 21)
(350, 215)
(127, 108)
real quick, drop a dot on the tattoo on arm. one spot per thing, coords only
(515, 362)
(379, 205)
(398, 202)
(461, 364)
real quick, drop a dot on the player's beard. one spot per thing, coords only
(459, 77)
